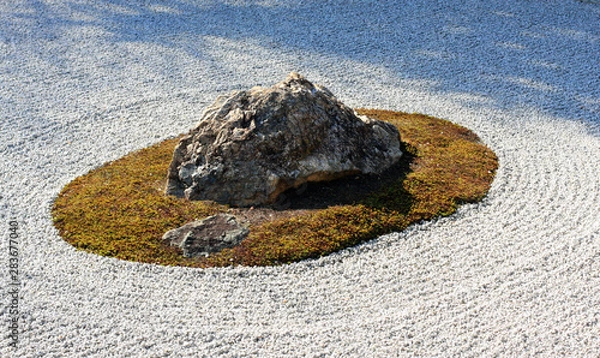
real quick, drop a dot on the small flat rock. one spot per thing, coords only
(210, 235)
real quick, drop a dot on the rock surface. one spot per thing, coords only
(253, 145)
(203, 237)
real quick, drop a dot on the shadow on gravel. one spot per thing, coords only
(488, 53)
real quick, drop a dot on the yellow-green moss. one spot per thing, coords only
(120, 210)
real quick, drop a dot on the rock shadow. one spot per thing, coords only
(353, 190)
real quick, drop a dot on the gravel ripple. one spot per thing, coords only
(85, 82)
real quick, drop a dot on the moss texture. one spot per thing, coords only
(120, 209)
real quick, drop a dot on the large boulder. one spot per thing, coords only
(253, 145)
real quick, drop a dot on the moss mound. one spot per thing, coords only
(120, 209)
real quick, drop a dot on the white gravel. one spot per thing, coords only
(85, 82)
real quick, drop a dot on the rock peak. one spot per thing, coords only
(296, 82)
(294, 79)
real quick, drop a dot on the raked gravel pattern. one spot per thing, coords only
(85, 82)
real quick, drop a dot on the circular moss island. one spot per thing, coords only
(120, 209)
